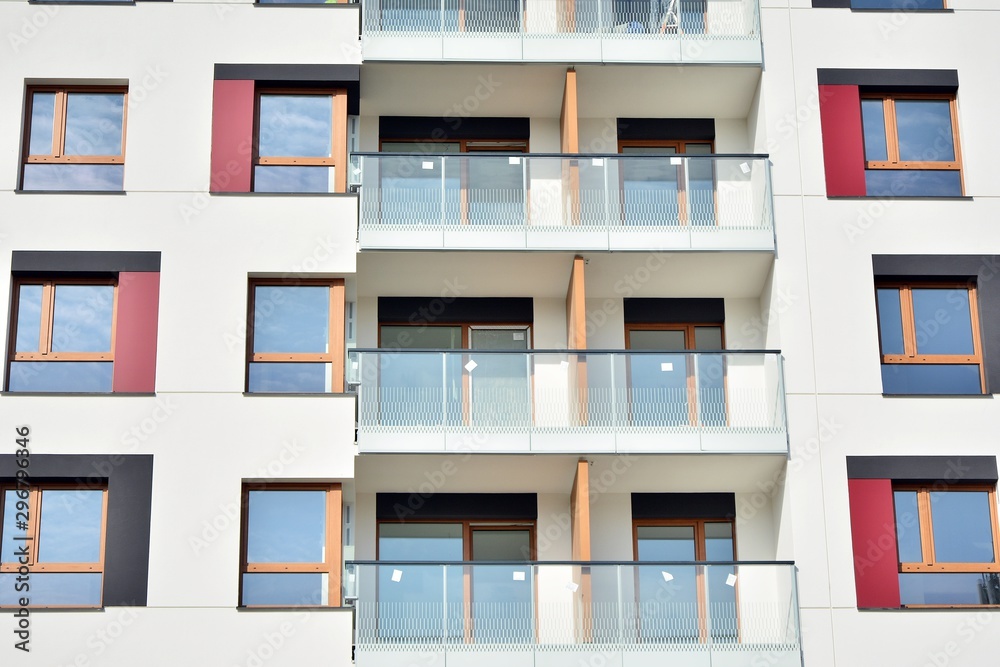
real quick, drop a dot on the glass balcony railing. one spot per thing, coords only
(592, 401)
(611, 202)
(730, 611)
(562, 30)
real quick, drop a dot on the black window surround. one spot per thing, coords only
(983, 271)
(130, 485)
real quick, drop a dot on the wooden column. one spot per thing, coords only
(570, 143)
(579, 504)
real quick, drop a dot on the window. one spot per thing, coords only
(482, 601)
(667, 191)
(75, 139)
(686, 594)
(948, 542)
(677, 388)
(301, 141)
(63, 336)
(58, 531)
(468, 181)
(911, 145)
(296, 337)
(930, 339)
(291, 545)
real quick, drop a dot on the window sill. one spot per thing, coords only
(307, 4)
(902, 197)
(77, 393)
(128, 3)
(295, 608)
(885, 395)
(71, 192)
(940, 607)
(298, 394)
(283, 194)
(903, 10)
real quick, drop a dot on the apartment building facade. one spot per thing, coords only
(513, 333)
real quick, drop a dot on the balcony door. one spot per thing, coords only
(665, 190)
(668, 386)
(425, 188)
(484, 600)
(680, 603)
(437, 388)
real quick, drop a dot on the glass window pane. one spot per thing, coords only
(949, 588)
(286, 527)
(70, 526)
(74, 177)
(421, 338)
(277, 377)
(890, 321)
(907, 527)
(943, 321)
(963, 531)
(924, 130)
(931, 379)
(434, 542)
(77, 589)
(94, 123)
(42, 117)
(293, 589)
(296, 125)
(499, 339)
(666, 543)
(9, 529)
(501, 545)
(913, 183)
(291, 319)
(656, 340)
(873, 123)
(293, 179)
(82, 317)
(708, 338)
(61, 376)
(29, 318)
(719, 542)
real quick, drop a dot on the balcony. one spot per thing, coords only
(416, 401)
(560, 614)
(580, 31)
(557, 202)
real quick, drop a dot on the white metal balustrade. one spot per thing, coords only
(543, 613)
(561, 202)
(716, 31)
(568, 401)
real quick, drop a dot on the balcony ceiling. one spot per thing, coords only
(484, 473)
(535, 90)
(544, 274)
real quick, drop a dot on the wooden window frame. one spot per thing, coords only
(910, 355)
(57, 154)
(337, 161)
(892, 135)
(926, 524)
(335, 329)
(35, 493)
(44, 351)
(332, 566)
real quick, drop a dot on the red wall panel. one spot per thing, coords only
(232, 136)
(843, 140)
(135, 332)
(873, 532)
